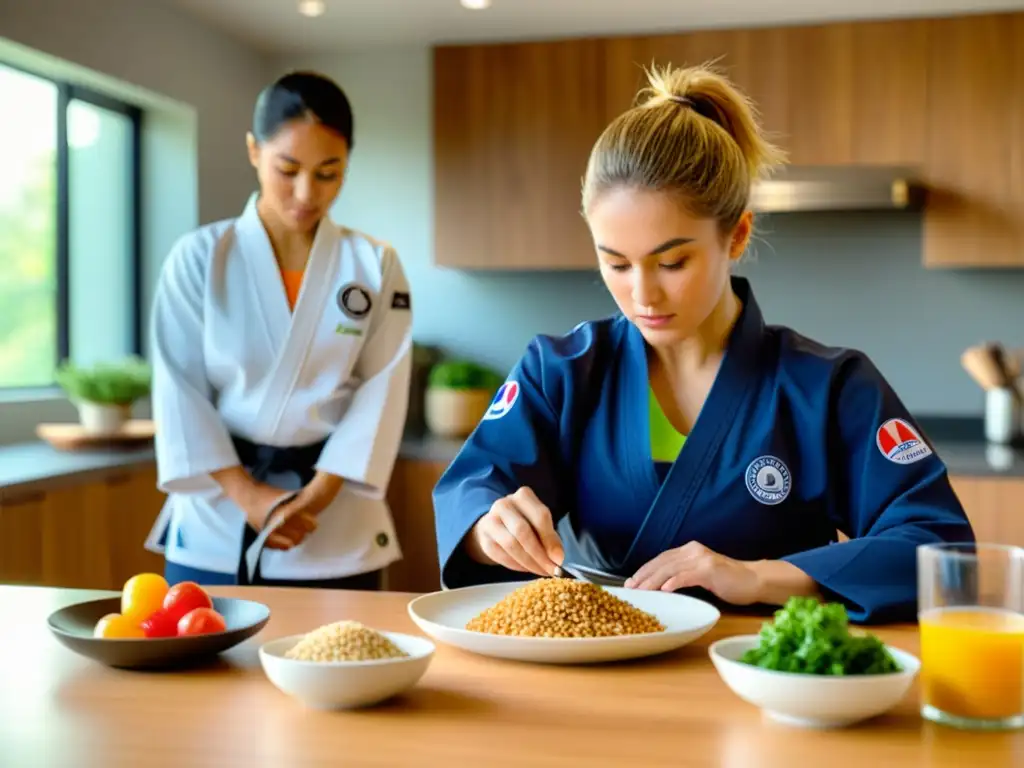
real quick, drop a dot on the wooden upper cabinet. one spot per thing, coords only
(754, 59)
(818, 90)
(513, 129)
(625, 59)
(514, 126)
(888, 92)
(829, 94)
(856, 93)
(1016, 162)
(975, 142)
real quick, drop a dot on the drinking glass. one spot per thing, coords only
(971, 619)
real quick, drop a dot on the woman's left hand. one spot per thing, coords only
(694, 565)
(320, 492)
(301, 512)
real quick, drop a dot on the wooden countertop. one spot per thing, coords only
(60, 710)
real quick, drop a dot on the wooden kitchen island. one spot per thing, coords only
(58, 710)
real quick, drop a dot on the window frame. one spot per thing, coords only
(67, 92)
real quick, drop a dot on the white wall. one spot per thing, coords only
(198, 88)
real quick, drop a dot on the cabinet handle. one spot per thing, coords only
(25, 498)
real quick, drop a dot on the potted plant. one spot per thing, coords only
(104, 394)
(458, 394)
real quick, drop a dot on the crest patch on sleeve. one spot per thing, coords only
(503, 401)
(900, 443)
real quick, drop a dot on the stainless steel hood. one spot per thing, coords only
(793, 189)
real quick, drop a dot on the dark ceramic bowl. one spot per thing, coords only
(73, 627)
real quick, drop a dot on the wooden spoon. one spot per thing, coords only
(983, 367)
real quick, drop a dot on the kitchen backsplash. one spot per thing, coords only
(846, 279)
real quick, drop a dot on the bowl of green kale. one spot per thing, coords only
(806, 668)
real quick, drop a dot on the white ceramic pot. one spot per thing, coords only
(455, 412)
(101, 418)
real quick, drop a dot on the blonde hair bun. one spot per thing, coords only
(691, 132)
(710, 94)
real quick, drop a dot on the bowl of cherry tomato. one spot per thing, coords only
(153, 624)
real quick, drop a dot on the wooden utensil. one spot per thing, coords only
(983, 367)
(1007, 369)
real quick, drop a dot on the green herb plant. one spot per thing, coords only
(120, 383)
(463, 374)
(813, 638)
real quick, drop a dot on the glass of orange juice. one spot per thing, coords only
(971, 620)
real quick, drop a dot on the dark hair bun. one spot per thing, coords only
(301, 95)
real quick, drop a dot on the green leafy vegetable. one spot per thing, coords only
(462, 374)
(106, 383)
(813, 638)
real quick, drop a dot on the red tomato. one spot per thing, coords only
(184, 597)
(160, 624)
(201, 621)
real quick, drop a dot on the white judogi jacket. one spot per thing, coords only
(230, 357)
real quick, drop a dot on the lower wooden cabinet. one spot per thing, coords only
(88, 535)
(409, 497)
(995, 507)
(91, 535)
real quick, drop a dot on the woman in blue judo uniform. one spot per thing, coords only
(685, 443)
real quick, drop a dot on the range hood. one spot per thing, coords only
(794, 189)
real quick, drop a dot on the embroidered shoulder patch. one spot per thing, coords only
(900, 443)
(503, 401)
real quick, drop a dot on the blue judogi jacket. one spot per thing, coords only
(795, 441)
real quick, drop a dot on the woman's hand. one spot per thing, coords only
(255, 499)
(694, 565)
(321, 491)
(734, 581)
(517, 533)
(301, 512)
(299, 522)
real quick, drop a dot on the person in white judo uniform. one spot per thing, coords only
(281, 348)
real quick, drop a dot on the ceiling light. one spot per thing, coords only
(476, 5)
(312, 8)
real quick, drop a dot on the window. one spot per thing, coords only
(70, 266)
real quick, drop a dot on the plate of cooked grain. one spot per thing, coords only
(562, 621)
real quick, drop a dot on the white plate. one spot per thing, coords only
(443, 616)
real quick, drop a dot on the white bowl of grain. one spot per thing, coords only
(345, 665)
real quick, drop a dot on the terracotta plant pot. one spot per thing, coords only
(455, 412)
(103, 418)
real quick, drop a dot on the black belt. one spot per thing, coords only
(262, 461)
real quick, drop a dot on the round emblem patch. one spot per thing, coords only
(354, 301)
(503, 401)
(768, 480)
